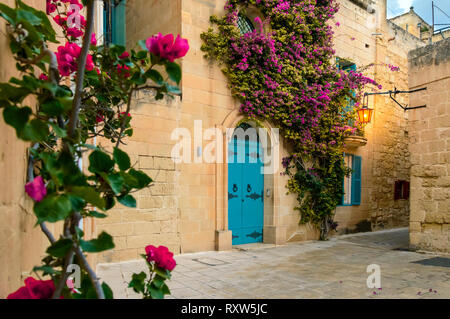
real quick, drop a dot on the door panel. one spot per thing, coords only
(245, 192)
(235, 190)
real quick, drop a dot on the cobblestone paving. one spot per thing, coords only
(331, 269)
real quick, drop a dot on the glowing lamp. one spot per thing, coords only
(365, 115)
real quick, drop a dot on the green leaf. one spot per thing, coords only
(158, 281)
(45, 25)
(128, 201)
(107, 291)
(46, 270)
(60, 248)
(8, 13)
(122, 159)
(58, 131)
(164, 273)
(100, 162)
(17, 117)
(90, 195)
(35, 131)
(102, 243)
(96, 214)
(174, 72)
(165, 290)
(130, 180)
(53, 208)
(138, 282)
(155, 292)
(115, 181)
(54, 107)
(139, 78)
(110, 202)
(15, 94)
(155, 76)
(143, 179)
(77, 202)
(23, 15)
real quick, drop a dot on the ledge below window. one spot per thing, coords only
(355, 141)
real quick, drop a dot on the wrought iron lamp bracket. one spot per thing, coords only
(392, 95)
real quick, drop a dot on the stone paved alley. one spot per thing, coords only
(332, 269)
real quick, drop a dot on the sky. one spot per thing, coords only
(421, 7)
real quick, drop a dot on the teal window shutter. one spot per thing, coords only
(351, 105)
(356, 180)
(341, 202)
(119, 31)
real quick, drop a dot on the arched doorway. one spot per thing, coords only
(245, 186)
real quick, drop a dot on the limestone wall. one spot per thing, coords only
(22, 246)
(430, 148)
(148, 17)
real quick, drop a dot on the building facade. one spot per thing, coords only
(413, 23)
(430, 148)
(187, 208)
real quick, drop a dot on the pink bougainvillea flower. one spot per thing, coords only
(43, 77)
(89, 63)
(161, 256)
(34, 289)
(93, 39)
(74, 32)
(99, 117)
(67, 59)
(123, 113)
(123, 70)
(61, 21)
(36, 189)
(124, 55)
(51, 7)
(180, 49)
(165, 47)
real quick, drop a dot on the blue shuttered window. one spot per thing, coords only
(114, 23)
(119, 24)
(352, 184)
(356, 180)
(347, 66)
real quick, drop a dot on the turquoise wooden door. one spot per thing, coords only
(245, 192)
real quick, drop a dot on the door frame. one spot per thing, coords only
(274, 232)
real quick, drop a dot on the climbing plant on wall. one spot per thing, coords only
(284, 71)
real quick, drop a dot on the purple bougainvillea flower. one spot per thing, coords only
(36, 189)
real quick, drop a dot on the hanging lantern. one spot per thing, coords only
(365, 115)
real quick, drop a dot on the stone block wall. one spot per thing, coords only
(430, 147)
(22, 245)
(366, 38)
(155, 221)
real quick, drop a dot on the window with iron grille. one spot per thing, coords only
(244, 24)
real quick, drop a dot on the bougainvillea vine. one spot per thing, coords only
(286, 73)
